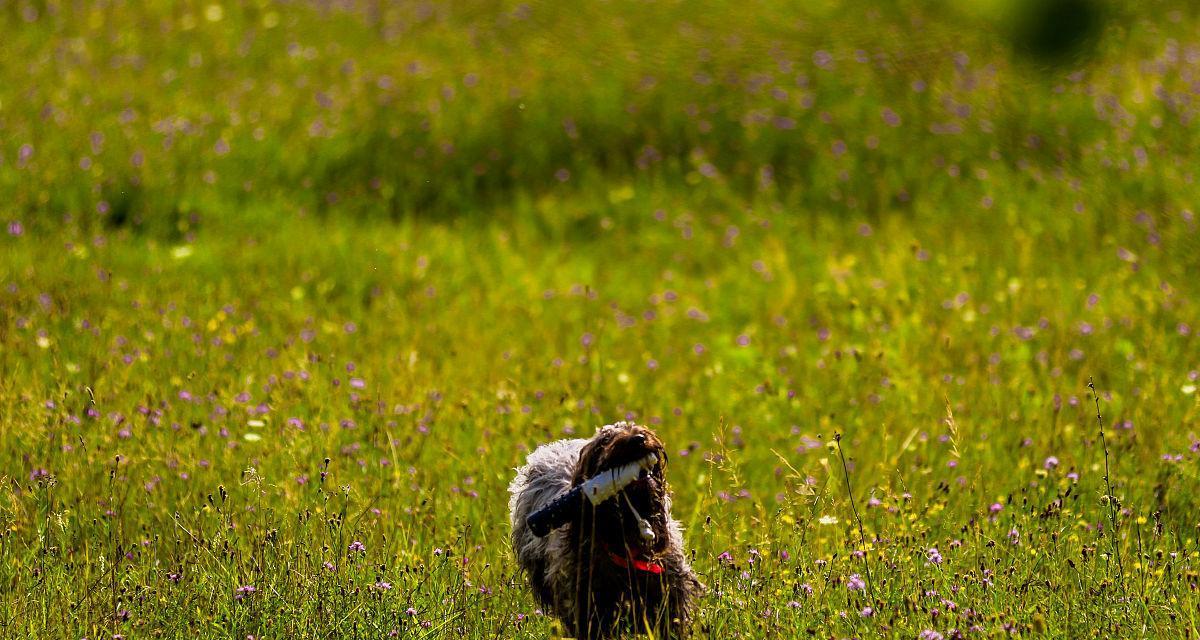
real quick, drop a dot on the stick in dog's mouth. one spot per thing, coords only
(597, 489)
(607, 484)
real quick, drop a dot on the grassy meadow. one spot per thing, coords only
(287, 290)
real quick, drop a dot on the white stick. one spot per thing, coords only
(606, 484)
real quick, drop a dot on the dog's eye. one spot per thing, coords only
(639, 440)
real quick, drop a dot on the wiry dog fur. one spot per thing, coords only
(572, 570)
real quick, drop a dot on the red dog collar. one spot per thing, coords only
(634, 560)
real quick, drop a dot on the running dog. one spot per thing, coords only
(592, 530)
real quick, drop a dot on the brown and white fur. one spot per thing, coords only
(592, 572)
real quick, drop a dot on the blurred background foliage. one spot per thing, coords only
(163, 116)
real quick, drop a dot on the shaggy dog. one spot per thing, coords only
(614, 567)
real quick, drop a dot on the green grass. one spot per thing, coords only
(298, 276)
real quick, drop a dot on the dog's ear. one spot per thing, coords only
(587, 458)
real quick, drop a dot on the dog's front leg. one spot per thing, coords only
(596, 609)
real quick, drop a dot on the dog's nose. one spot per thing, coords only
(639, 440)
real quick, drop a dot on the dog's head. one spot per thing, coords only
(613, 522)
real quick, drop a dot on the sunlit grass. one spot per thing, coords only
(279, 389)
